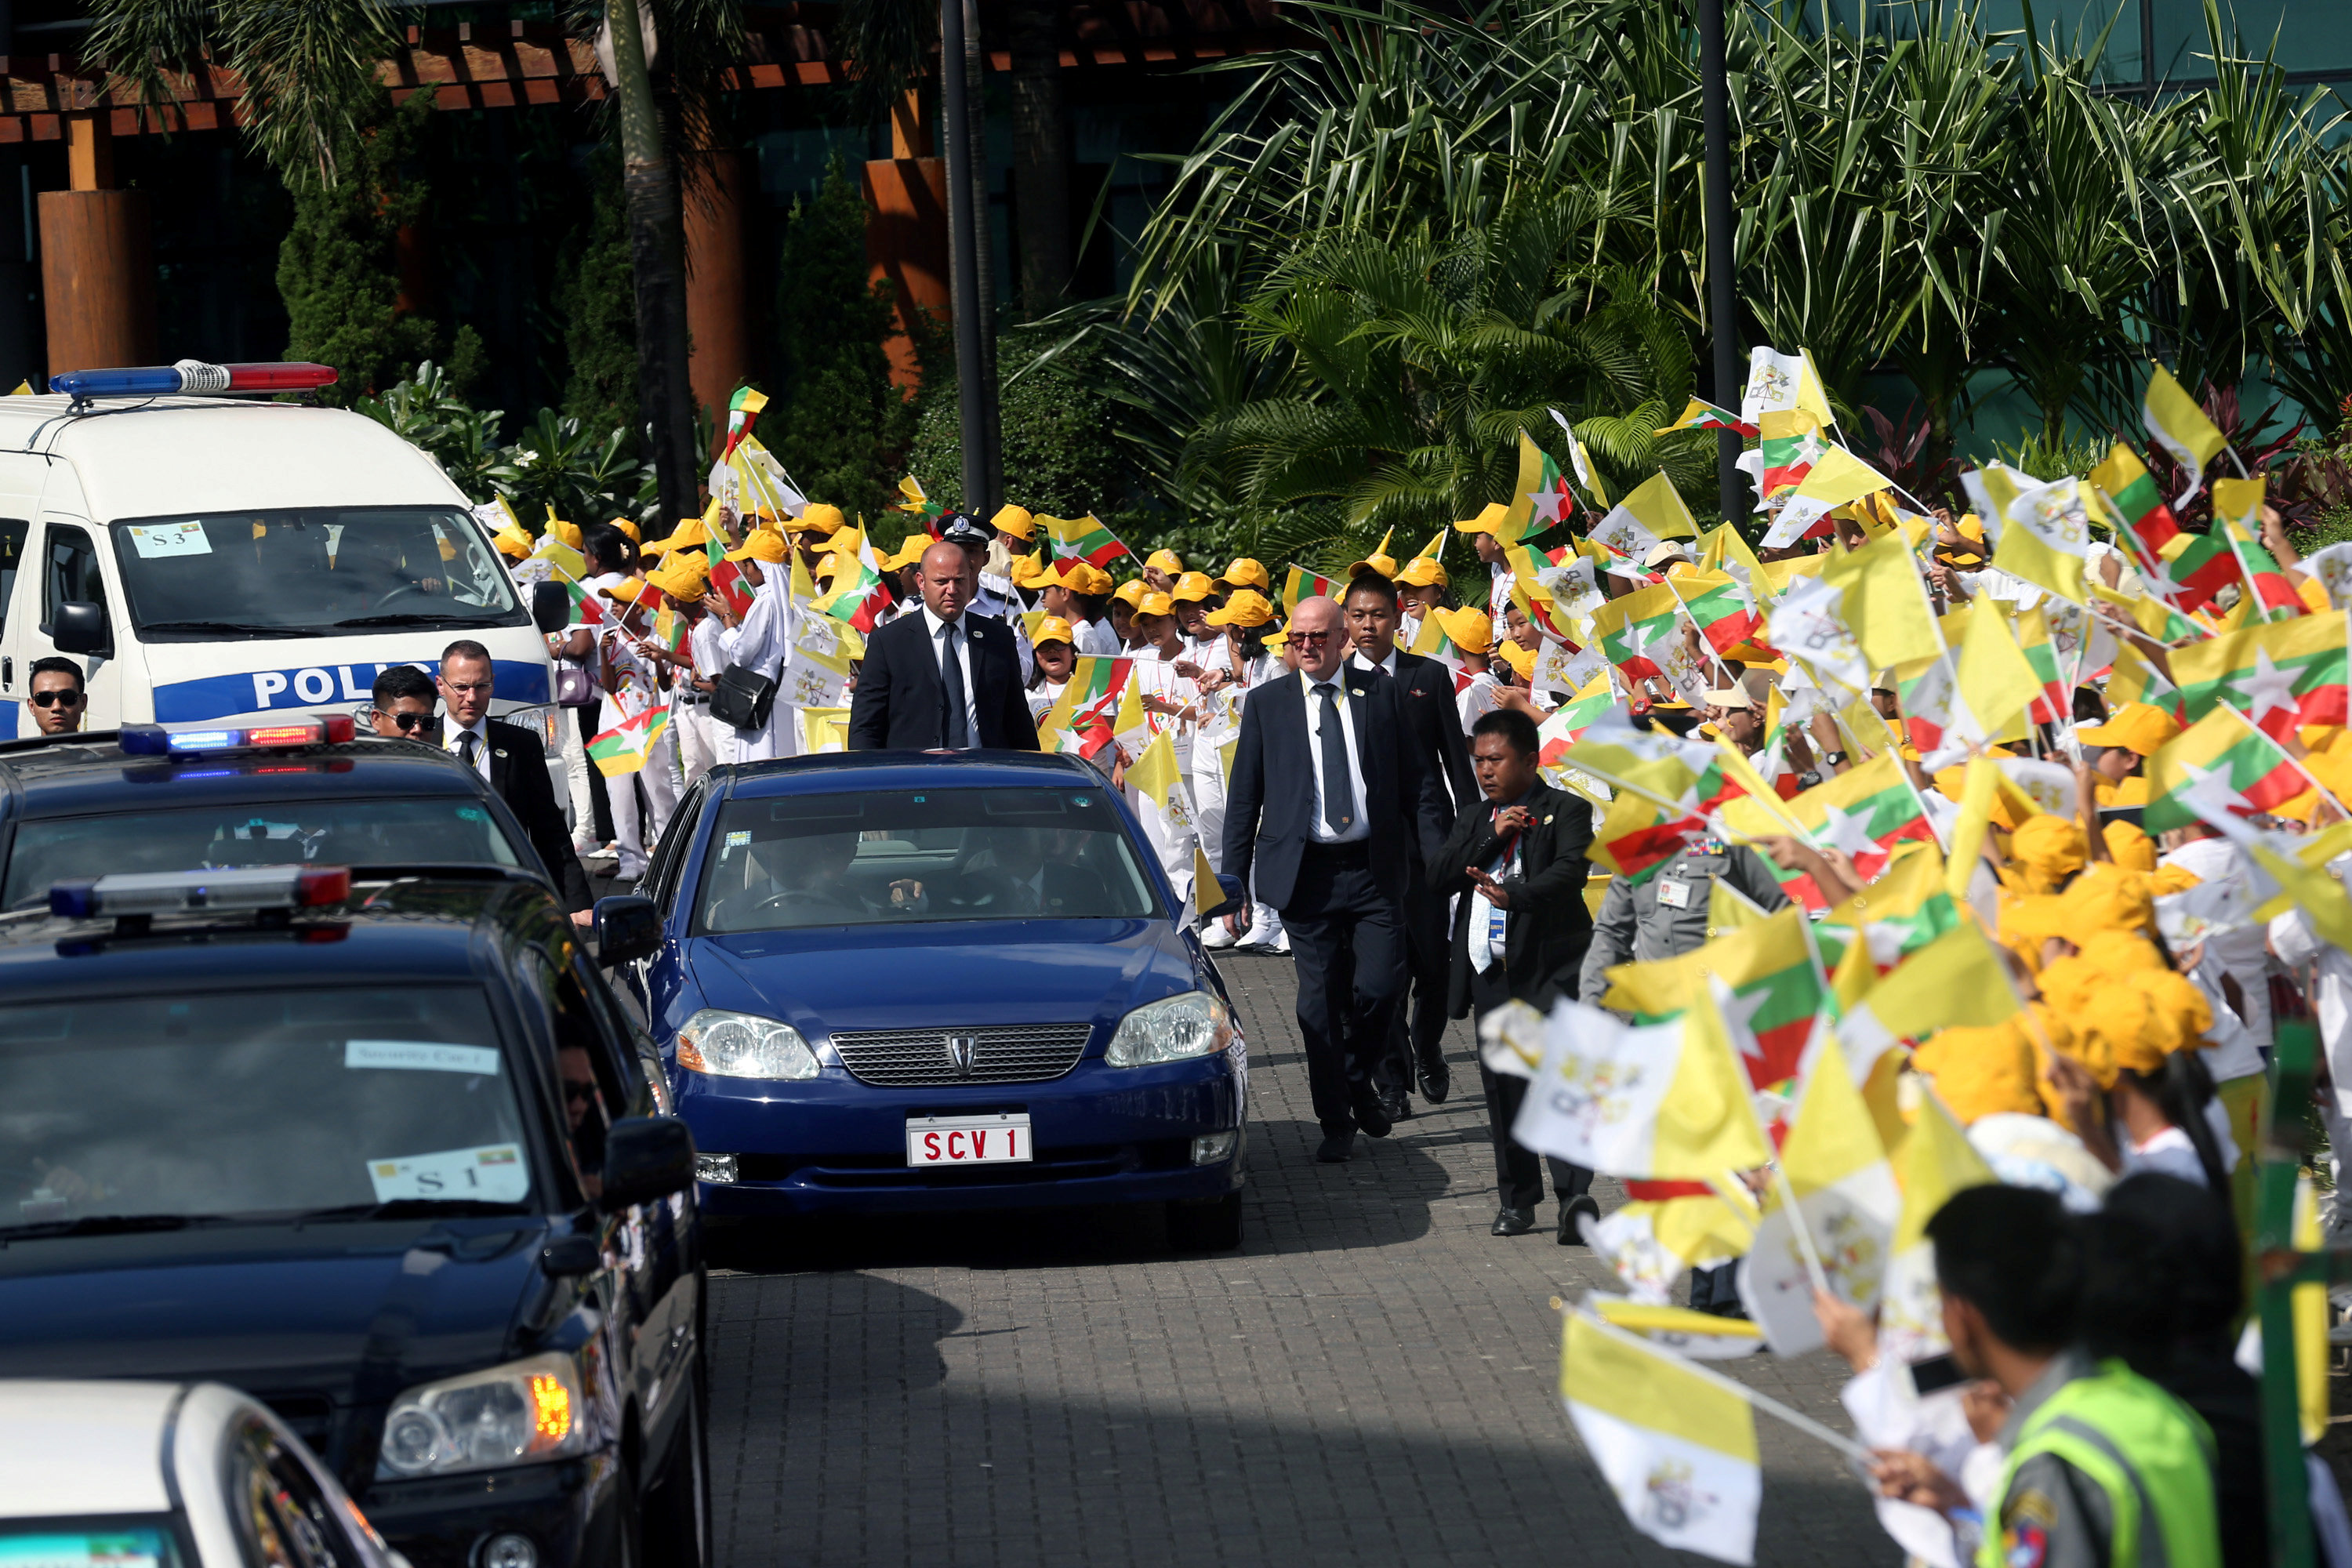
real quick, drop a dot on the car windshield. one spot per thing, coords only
(254, 1102)
(884, 856)
(323, 571)
(417, 830)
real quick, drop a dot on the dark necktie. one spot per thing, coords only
(466, 740)
(952, 715)
(1339, 785)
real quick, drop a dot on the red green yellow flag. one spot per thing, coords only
(2054, 705)
(1085, 538)
(1636, 836)
(1775, 984)
(2222, 763)
(2131, 490)
(1864, 811)
(2237, 516)
(1700, 415)
(1565, 727)
(2281, 676)
(1637, 629)
(1300, 583)
(623, 749)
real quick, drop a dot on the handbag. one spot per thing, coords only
(744, 698)
(574, 687)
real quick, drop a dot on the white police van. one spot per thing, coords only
(210, 560)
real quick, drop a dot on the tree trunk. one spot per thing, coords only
(657, 257)
(1041, 159)
(984, 255)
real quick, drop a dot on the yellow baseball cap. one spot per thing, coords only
(630, 590)
(1194, 587)
(1053, 628)
(1489, 521)
(1469, 628)
(1421, 572)
(1166, 561)
(1130, 593)
(565, 532)
(1522, 659)
(1015, 520)
(1276, 638)
(763, 544)
(512, 541)
(625, 526)
(2135, 727)
(1384, 565)
(1155, 605)
(1248, 607)
(1028, 572)
(682, 582)
(821, 517)
(690, 533)
(1245, 573)
(1090, 580)
(909, 551)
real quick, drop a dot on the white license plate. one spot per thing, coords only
(968, 1140)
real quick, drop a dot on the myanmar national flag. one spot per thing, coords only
(1544, 490)
(1567, 725)
(1300, 583)
(2221, 764)
(1090, 697)
(2054, 705)
(1085, 538)
(1895, 916)
(857, 594)
(2237, 516)
(1638, 629)
(728, 580)
(2280, 676)
(1636, 836)
(1687, 776)
(1776, 984)
(1864, 811)
(1700, 415)
(2131, 488)
(623, 748)
(1791, 444)
(587, 605)
(1724, 612)
(2202, 569)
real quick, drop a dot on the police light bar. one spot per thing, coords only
(192, 375)
(179, 893)
(154, 741)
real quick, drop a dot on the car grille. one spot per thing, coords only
(1015, 1053)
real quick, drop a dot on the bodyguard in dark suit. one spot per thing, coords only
(1433, 721)
(942, 677)
(1327, 801)
(1516, 859)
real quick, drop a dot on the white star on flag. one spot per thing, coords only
(2211, 794)
(1846, 830)
(1738, 1009)
(1545, 505)
(2271, 690)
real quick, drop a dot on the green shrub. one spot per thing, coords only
(596, 292)
(1060, 455)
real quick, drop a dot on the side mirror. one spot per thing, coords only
(646, 1158)
(79, 626)
(550, 607)
(627, 927)
(569, 1257)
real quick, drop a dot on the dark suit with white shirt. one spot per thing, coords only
(1433, 721)
(902, 699)
(517, 773)
(1335, 855)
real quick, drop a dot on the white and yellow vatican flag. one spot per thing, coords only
(1841, 1227)
(1668, 1101)
(1156, 788)
(1702, 1336)
(1665, 1228)
(1935, 1162)
(1676, 1446)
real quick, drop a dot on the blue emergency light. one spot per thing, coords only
(192, 375)
(154, 741)
(182, 893)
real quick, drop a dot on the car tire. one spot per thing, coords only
(625, 1537)
(1215, 1225)
(678, 1510)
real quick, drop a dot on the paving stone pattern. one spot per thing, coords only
(1370, 1378)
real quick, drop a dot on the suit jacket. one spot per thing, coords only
(1269, 829)
(1426, 694)
(1544, 941)
(518, 777)
(896, 707)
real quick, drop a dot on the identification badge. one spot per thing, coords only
(1673, 894)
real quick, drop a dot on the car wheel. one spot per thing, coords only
(625, 1537)
(1211, 1226)
(678, 1512)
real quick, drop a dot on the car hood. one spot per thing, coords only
(352, 1313)
(944, 972)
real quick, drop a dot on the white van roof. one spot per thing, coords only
(175, 456)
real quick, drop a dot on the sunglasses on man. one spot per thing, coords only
(54, 699)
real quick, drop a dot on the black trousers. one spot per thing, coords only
(1347, 940)
(1418, 1033)
(1518, 1169)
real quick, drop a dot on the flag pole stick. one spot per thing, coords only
(1762, 1401)
(1802, 1232)
(2325, 793)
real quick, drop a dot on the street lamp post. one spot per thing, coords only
(1715, 103)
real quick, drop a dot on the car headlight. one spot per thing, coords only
(741, 1045)
(1193, 1025)
(545, 721)
(512, 1414)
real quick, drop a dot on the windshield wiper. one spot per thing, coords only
(408, 618)
(106, 1225)
(229, 628)
(411, 1208)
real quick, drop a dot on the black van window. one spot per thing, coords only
(72, 574)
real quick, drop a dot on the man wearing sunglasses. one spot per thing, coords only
(56, 696)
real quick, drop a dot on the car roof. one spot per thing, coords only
(83, 1448)
(835, 771)
(439, 925)
(91, 775)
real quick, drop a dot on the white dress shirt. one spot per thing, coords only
(481, 733)
(1386, 667)
(940, 632)
(1317, 828)
(1490, 926)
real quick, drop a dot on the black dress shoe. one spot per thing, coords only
(1397, 1104)
(1569, 1235)
(1370, 1115)
(1437, 1081)
(1336, 1151)
(1512, 1222)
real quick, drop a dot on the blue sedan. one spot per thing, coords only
(903, 983)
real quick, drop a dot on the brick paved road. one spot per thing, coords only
(1370, 1379)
